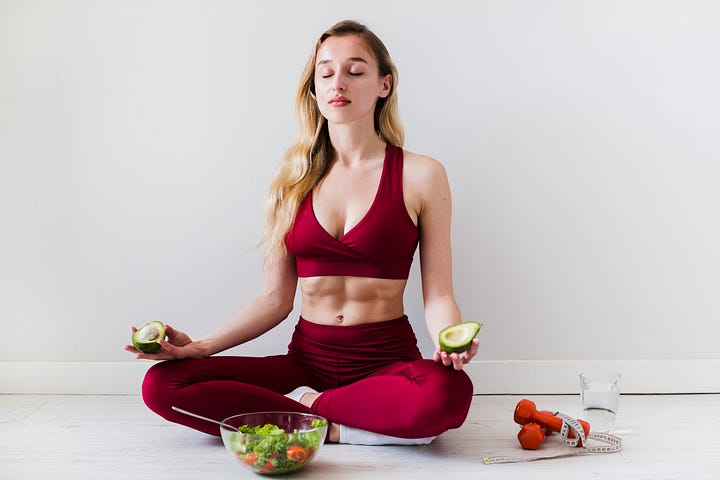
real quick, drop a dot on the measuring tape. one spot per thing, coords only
(569, 424)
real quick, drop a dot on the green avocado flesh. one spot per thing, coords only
(145, 339)
(457, 338)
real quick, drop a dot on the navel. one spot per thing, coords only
(339, 318)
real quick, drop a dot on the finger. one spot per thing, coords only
(457, 362)
(471, 352)
(138, 354)
(173, 332)
(169, 350)
(176, 337)
(159, 355)
(474, 347)
(149, 356)
(133, 329)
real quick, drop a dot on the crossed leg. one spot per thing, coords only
(408, 400)
(222, 386)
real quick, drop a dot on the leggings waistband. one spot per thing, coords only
(341, 354)
(399, 327)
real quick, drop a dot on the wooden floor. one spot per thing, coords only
(116, 437)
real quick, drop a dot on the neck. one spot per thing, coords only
(353, 144)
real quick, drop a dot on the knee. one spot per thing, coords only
(156, 388)
(455, 389)
(448, 397)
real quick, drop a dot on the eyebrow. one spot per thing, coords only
(352, 59)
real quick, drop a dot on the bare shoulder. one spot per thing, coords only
(425, 183)
(423, 171)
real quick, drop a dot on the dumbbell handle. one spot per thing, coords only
(527, 412)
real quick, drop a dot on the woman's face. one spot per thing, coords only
(347, 80)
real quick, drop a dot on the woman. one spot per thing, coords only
(346, 210)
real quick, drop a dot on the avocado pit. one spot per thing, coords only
(146, 338)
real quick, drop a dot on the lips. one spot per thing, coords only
(339, 101)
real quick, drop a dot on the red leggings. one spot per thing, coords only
(372, 377)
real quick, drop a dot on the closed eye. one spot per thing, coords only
(351, 73)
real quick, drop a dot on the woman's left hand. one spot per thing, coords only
(178, 345)
(457, 360)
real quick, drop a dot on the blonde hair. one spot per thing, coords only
(308, 160)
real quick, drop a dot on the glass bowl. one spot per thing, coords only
(274, 443)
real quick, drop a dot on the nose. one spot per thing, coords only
(338, 84)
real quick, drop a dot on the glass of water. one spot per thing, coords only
(600, 395)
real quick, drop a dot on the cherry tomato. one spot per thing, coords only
(297, 454)
(248, 458)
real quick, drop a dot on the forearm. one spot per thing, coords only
(441, 312)
(257, 317)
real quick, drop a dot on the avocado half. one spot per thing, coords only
(458, 338)
(145, 339)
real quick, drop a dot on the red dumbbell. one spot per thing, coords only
(527, 412)
(531, 436)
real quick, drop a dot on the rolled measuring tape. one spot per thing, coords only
(569, 424)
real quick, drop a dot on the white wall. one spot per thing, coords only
(581, 140)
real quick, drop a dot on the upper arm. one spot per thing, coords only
(429, 195)
(280, 283)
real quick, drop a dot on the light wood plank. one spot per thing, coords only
(113, 437)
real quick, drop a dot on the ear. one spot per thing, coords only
(386, 86)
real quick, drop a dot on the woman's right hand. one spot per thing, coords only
(178, 345)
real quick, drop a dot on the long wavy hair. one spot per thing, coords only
(309, 159)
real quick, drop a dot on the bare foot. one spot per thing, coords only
(333, 435)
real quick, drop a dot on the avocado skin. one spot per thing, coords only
(147, 347)
(152, 346)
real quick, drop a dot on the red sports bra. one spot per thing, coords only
(381, 245)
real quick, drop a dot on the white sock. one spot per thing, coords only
(298, 393)
(356, 436)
